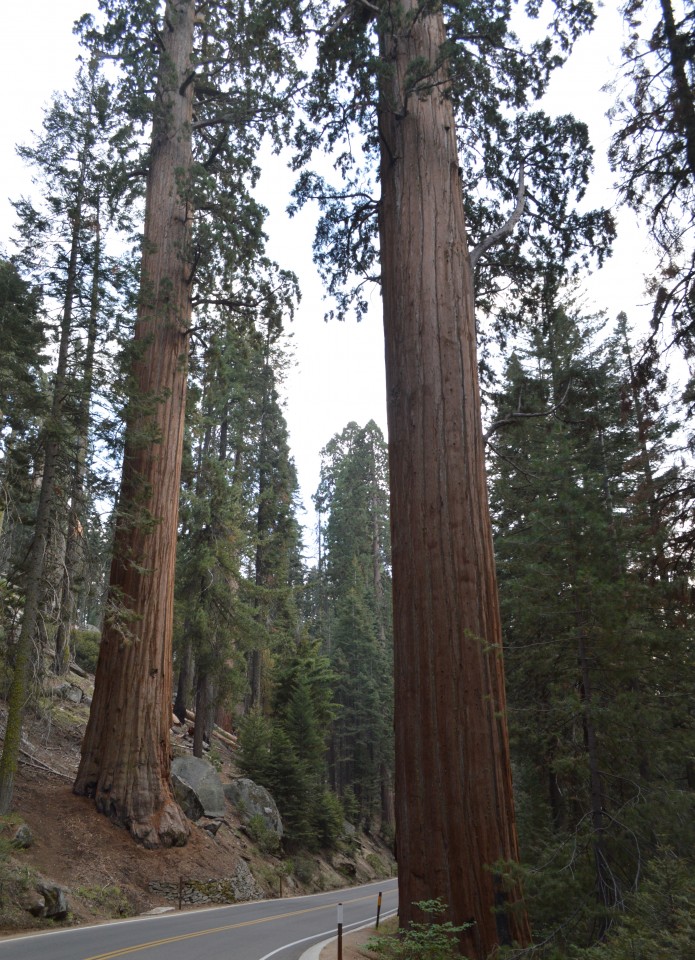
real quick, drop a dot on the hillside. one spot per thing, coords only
(105, 874)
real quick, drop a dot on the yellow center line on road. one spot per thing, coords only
(151, 944)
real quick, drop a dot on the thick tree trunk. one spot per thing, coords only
(454, 806)
(126, 757)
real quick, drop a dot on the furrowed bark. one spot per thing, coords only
(126, 755)
(454, 805)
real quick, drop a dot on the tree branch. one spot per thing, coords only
(518, 415)
(506, 229)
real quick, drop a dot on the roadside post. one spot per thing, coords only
(378, 909)
(340, 931)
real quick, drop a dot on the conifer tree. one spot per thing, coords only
(220, 78)
(239, 539)
(353, 495)
(584, 625)
(404, 74)
(23, 330)
(653, 149)
(286, 752)
(134, 670)
(22, 406)
(66, 157)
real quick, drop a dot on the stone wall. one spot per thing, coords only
(238, 888)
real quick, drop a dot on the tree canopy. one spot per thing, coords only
(488, 661)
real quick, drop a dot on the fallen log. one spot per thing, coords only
(227, 738)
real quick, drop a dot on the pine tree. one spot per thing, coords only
(24, 335)
(286, 752)
(355, 575)
(22, 406)
(584, 626)
(239, 540)
(66, 156)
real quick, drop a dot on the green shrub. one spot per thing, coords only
(304, 869)
(109, 898)
(329, 820)
(86, 646)
(437, 940)
(377, 865)
(267, 840)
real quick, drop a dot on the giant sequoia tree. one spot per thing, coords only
(219, 76)
(401, 72)
(125, 752)
(454, 804)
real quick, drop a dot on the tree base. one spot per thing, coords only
(166, 826)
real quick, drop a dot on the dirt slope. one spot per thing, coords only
(105, 873)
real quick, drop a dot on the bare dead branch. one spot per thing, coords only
(518, 415)
(507, 228)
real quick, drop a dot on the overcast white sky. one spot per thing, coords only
(339, 371)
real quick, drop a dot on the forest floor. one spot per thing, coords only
(105, 873)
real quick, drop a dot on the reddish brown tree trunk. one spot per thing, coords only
(126, 751)
(454, 805)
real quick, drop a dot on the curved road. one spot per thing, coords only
(281, 929)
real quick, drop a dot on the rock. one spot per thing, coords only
(213, 826)
(244, 884)
(197, 787)
(33, 903)
(55, 898)
(69, 691)
(348, 829)
(23, 838)
(346, 867)
(252, 800)
(74, 694)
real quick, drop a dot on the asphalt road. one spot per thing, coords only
(281, 929)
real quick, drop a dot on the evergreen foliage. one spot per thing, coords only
(22, 399)
(354, 622)
(286, 752)
(591, 479)
(435, 940)
(506, 148)
(599, 725)
(653, 150)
